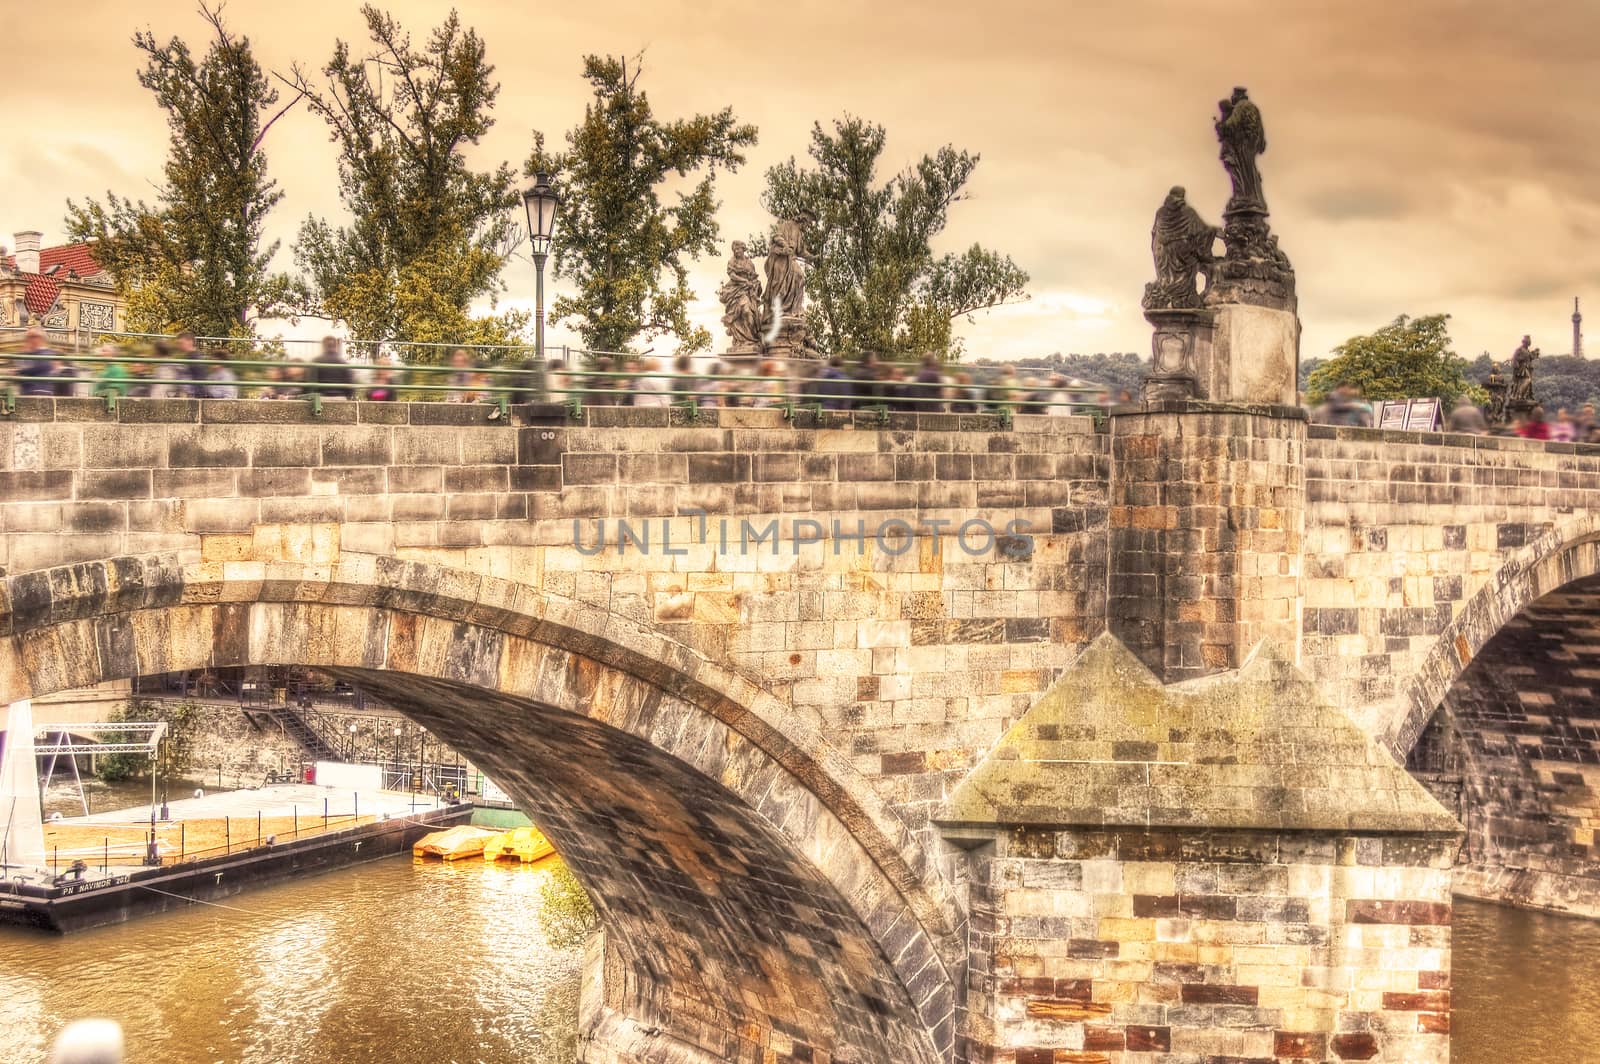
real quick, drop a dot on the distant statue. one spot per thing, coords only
(1180, 243)
(1519, 396)
(1243, 138)
(741, 303)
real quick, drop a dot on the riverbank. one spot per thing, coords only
(223, 823)
(102, 870)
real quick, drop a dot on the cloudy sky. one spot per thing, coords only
(1424, 156)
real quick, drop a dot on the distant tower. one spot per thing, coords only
(1577, 330)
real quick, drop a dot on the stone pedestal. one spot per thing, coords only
(1254, 355)
(1180, 352)
(1225, 352)
(1207, 514)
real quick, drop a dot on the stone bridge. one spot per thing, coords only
(778, 690)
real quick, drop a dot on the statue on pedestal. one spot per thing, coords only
(742, 307)
(1243, 138)
(1254, 270)
(1180, 243)
(1516, 400)
(783, 310)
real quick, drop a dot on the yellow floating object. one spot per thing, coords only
(528, 843)
(454, 843)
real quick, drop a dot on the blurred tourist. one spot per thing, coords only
(39, 362)
(1535, 427)
(220, 380)
(113, 379)
(461, 379)
(1465, 417)
(331, 373)
(649, 389)
(927, 388)
(382, 387)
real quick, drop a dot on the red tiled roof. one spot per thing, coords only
(79, 258)
(40, 292)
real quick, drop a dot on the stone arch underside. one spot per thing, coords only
(1514, 749)
(756, 905)
(1563, 553)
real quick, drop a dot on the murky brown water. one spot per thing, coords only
(388, 963)
(1527, 986)
(402, 963)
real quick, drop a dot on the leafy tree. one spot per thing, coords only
(1118, 371)
(428, 234)
(1562, 381)
(626, 252)
(873, 282)
(194, 260)
(566, 915)
(1410, 358)
(176, 747)
(1308, 366)
(1480, 368)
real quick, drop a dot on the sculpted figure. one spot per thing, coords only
(1180, 243)
(786, 286)
(784, 323)
(1522, 359)
(1243, 138)
(741, 302)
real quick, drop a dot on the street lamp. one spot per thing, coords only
(541, 202)
(352, 754)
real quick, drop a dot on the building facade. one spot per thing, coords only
(61, 288)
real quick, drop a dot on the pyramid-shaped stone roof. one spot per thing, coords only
(1109, 746)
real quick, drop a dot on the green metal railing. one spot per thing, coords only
(499, 386)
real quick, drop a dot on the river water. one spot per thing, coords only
(392, 962)
(398, 962)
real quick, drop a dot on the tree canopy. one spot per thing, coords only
(1410, 358)
(428, 234)
(873, 282)
(625, 250)
(194, 259)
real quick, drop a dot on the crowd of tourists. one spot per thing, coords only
(864, 384)
(1346, 406)
(179, 369)
(188, 373)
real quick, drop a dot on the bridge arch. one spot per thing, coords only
(1565, 551)
(757, 899)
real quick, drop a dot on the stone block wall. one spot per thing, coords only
(1129, 947)
(1206, 517)
(914, 653)
(1403, 530)
(920, 653)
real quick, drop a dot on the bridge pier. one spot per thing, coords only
(1206, 532)
(1226, 869)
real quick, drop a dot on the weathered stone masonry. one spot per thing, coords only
(1384, 567)
(1206, 517)
(1215, 870)
(1514, 752)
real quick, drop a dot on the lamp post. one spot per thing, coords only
(352, 754)
(541, 202)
